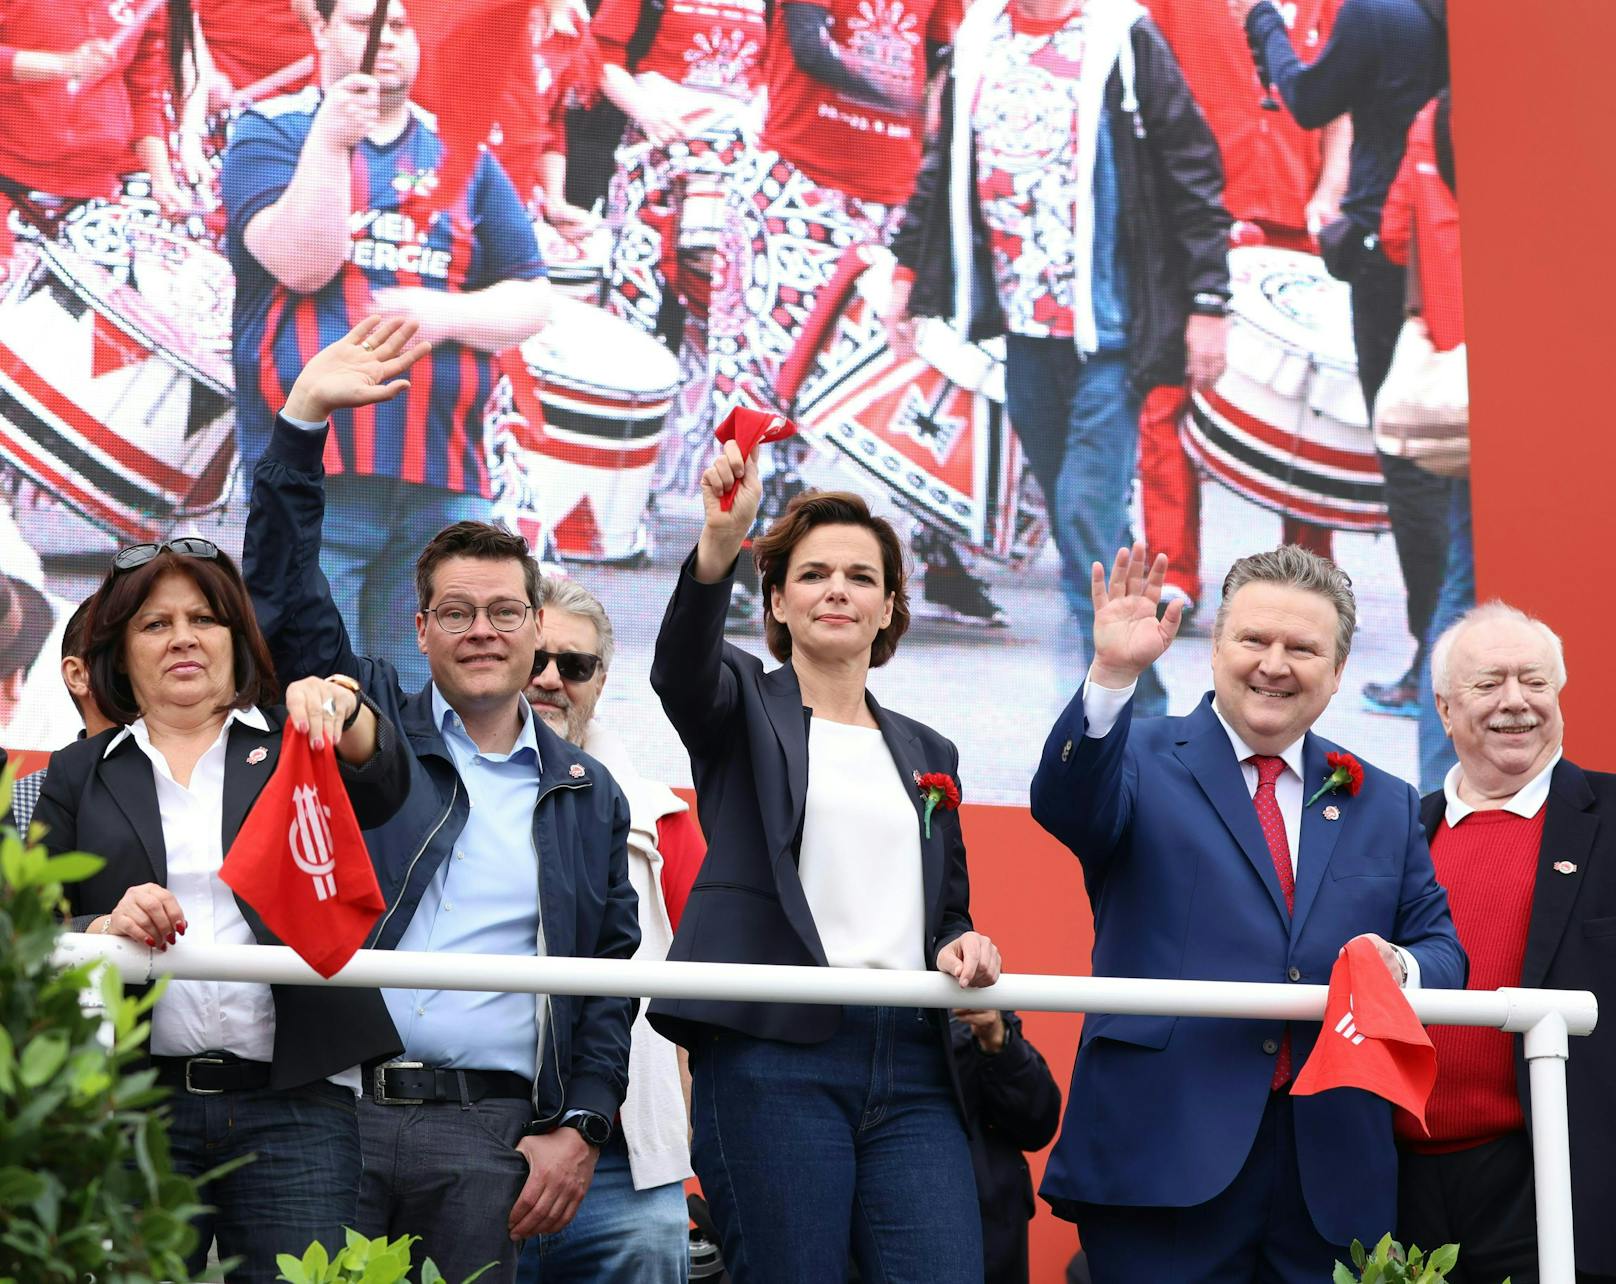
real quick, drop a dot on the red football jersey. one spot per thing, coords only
(840, 141)
(1270, 163)
(715, 45)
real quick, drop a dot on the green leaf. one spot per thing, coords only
(1342, 1275)
(291, 1269)
(71, 867)
(1359, 1257)
(8, 1063)
(430, 1274)
(42, 1058)
(19, 1186)
(479, 1273)
(1444, 1259)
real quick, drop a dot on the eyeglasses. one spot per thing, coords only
(573, 666)
(506, 615)
(127, 559)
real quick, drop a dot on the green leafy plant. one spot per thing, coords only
(362, 1261)
(1389, 1264)
(86, 1187)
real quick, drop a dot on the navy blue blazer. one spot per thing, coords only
(1571, 945)
(1163, 1110)
(747, 733)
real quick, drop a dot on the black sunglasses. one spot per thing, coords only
(573, 666)
(127, 559)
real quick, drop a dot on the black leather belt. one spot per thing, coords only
(409, 1083)
(210, 1073)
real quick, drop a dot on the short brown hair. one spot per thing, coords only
(482, 540)
(804, 513)
(122, 594)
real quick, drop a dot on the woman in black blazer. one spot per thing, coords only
(272, 1072)
(818, 1129)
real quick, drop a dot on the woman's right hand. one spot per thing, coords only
(148, 914)
(723, 533)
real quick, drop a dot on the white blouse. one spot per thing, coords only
(860, 855)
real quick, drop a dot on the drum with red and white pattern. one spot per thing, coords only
(1285, 426)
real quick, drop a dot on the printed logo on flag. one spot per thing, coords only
(309, 838)
(1347, 1027)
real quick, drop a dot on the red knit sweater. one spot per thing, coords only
(1488, 864)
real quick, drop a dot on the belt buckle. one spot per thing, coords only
(202, 1061)
(378, 1084)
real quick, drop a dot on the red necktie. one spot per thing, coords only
(1279, 848)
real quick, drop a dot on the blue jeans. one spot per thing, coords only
(1078, 424)
(302, 1184)
(619, 1236)
(1458, 596)
(375, 527)
(805, 1151)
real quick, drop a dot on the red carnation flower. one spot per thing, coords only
(1345, 772)
(939, 790)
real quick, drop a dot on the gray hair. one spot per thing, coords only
(573, 598)
(1292, 566)
(1490, 613)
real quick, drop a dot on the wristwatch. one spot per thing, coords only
(596, 1129)
(343, 680)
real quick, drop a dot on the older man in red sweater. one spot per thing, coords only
(1525, 842)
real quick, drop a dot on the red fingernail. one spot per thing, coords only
(149, 941)
(172, 939)
(183, 926)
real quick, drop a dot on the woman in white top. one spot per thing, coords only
(818, 1131)
(174, 652)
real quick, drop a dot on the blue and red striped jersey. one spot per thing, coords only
(433, 434)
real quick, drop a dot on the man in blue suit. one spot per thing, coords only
(1183, 1156)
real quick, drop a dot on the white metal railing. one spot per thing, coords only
(1545, 1017)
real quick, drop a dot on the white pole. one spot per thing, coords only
(1546, 1051)
(401, 969)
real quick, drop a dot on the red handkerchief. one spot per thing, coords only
(749, 429)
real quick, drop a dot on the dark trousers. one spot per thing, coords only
(1417, 500)
(450, 1174)
(1257, 1231)
(805, 1151)
(302, 1184)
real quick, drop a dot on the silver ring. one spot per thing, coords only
(368, 346)
(329, 708)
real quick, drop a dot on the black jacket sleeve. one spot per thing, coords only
(927, 204)
(1188, 164)
(699, 691)
(1317, 92)
(816, 54)
(1016, 1096)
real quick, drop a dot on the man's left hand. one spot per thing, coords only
(971, 959)
(560, 1166)
(1390, 957)
(1206, 339)
(987, 1027)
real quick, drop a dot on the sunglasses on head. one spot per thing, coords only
(127, 559)
(573, 666)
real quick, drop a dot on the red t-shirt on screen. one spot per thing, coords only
(1270, 163)
(251, 41)
(840, 141)
(715, 45)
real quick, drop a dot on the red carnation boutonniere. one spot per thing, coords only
(1345, 770)
(939, 790)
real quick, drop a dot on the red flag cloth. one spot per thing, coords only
(1371, 1038)
(749, 429)
(299, 859)
(475, 54)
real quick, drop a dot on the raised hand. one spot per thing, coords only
(362, 368)
(723, 533)
(1128, 638)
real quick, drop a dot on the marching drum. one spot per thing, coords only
(577, 270)
(115, 384)
(929, 432)
(1285, 426)
(573, 431)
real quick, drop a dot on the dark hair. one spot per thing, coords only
(325, 8)
(482, 540)
(181, 53)
(77, 627)
(804, 513)
(1442, 133)
(123, 593)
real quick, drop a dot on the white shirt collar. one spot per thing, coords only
(1291, 754)
(1528, 800)
(251, 716)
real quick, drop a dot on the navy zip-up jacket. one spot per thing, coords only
(1384, 61)
(579, 823)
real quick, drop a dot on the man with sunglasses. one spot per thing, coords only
(488, 1130)
(633, 1225)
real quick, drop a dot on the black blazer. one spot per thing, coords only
(1571, 945)
(747, 733)
(108, 806)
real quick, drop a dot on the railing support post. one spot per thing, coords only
(1547, 1047)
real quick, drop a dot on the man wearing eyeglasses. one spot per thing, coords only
(633, 1224)
(488, 1130)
